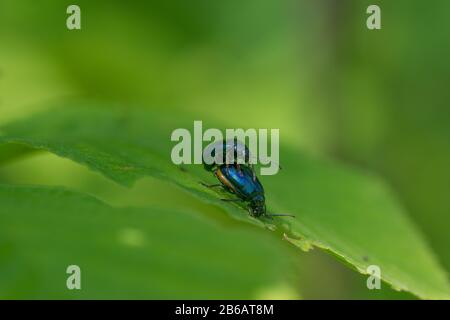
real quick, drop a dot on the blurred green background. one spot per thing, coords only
(374, 99)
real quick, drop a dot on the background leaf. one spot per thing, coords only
(135, 253)
(350, 213)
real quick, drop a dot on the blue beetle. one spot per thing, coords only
(231, 151)
(227, 152)
(243, 183)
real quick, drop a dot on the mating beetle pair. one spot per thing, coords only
(239, 179)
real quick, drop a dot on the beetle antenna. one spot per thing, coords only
(281, 215)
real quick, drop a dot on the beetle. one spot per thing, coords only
(246, 186)
(231, 151)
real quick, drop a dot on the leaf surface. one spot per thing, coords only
(350, 213)
(137, 253)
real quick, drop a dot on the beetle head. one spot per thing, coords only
(257, 207)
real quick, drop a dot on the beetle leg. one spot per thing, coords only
(210, 185)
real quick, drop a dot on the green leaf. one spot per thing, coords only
(349, 213)
(9, 152)
(128, 252)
